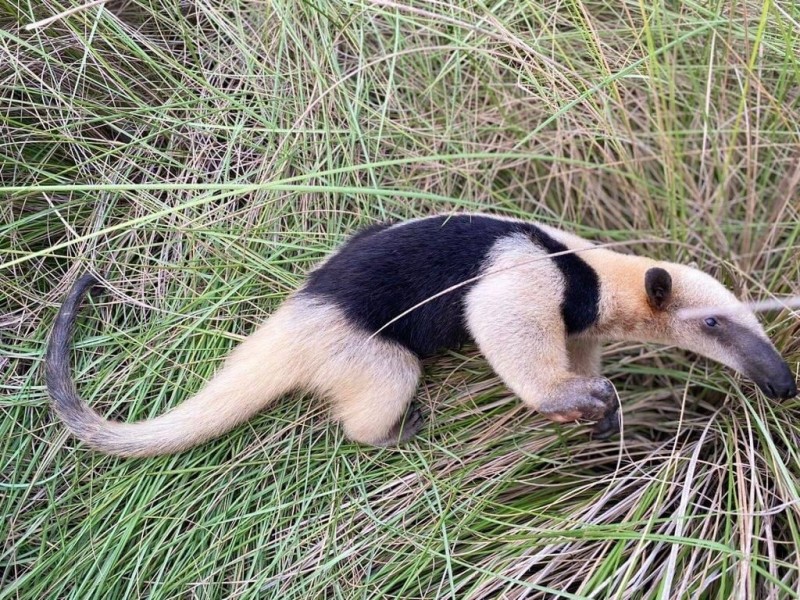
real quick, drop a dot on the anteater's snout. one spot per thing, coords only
(779, 386)
(764, 365)
(781, 390)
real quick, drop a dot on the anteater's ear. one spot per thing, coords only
(658, 284)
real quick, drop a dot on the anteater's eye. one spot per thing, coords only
(711, 322)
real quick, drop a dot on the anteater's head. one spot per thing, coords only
(692, 310)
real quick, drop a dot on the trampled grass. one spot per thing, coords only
(202, 156)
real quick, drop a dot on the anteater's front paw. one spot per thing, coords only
(607, 426)
(581, 398)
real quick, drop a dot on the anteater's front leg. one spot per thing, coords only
(585, 359)
(517, 323)
(584, 356)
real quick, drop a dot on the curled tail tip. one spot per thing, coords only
(88, 282)
(89, 277)
(58, 377)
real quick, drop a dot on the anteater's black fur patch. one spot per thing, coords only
(383, 272)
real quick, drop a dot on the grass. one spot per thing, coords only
(204, 155)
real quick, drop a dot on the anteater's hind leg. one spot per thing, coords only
(370, 381)
(372, 396)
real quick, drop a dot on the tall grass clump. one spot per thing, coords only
(202, 156)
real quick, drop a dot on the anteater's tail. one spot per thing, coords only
(261, 369)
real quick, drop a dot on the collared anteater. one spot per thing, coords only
(538, 302)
